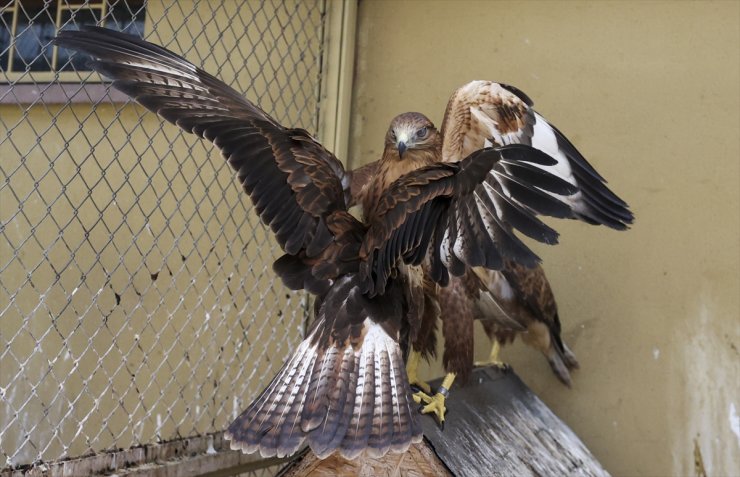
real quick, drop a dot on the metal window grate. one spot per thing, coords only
(137, 301)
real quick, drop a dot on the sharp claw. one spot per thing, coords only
(485, 364)
(432, 405)
(420, 386)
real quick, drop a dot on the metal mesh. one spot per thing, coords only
(137, 303)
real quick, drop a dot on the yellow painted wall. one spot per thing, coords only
(649, 92)
(138, 302)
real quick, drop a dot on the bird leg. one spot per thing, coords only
(436, 404)
(412, 366)
(493, 357)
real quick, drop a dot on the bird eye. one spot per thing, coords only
(393, 135)
(421, 132)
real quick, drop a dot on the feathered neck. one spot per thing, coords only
(390, 168)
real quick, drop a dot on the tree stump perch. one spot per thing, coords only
(495, 426)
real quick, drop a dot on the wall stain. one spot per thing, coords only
(698, 460)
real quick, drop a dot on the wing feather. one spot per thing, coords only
(461, 195)
(483, 113)
(292, 180)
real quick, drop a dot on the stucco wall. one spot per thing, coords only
(649, 93)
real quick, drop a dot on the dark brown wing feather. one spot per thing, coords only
(358, 179)
(459, 213)
(293, 181)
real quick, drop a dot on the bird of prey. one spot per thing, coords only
(523, 296)
(517, 297)
(345, 388)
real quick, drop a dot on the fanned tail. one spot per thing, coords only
(344, 389)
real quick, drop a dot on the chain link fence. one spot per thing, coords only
(137, 301)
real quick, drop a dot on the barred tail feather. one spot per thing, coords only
(322, 382)
(343, 390)
(291, 436)
(322, 440)
(404, 412)
(381, 428)
(256, 423)
(360, 424)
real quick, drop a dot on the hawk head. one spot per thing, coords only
(408, 133)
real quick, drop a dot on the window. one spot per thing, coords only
(28, 26)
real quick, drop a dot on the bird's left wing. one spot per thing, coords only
(294, 183)
(483, 113)
(459, 214)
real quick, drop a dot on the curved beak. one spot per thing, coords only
(401, 148)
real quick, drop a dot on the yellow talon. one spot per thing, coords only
(493, 357)
(412, 366)
(436, 404)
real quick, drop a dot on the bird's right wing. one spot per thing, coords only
(459, 215)
(294, 183)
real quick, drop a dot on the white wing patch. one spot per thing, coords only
(544, 139)
(444, 248)
(493, 194)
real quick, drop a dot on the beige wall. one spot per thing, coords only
(649, 93)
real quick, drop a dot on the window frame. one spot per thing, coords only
(57, 87)
(41, 78)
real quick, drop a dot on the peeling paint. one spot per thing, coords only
(709, 390)
(735, 422)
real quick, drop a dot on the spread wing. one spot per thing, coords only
(483, 113)
(460, 214)
(292, 180)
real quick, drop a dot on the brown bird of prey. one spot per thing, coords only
(517, 298)
(345, 388)
(523, 295)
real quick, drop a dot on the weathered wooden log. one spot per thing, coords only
(495, 426)
(418, 461)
